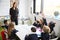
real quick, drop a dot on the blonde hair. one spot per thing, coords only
(46, 29)
(11, 25)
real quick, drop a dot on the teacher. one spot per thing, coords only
(14, 13)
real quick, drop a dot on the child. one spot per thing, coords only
(52, 33)
(38, 23)
(11, 32)
(45, 34)
(32, 36)
(52, 25)
(5, 24)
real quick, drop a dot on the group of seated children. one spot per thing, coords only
(9, 31)
(41, 30)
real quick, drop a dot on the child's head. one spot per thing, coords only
(33, 29)
(11, 25)
(5, 22)
(46, 29)
(38, 24)
(37, 21)
(10, 28)
(51, 24)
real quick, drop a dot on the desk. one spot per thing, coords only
(23, 30)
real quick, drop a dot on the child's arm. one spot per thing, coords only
(44, 19)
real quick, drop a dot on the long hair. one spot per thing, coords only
(11, 25)
(14, 4)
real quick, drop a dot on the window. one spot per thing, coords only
(51, 6)
(38, 5)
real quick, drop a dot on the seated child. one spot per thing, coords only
(5, 24)
(52, 25)
(39, 29)
(12, 31)
(5, 27)
(45, 34)
(32, 36)
(52, 33)
(38, 23)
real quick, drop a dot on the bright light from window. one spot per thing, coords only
(50, 6)
(38, 5)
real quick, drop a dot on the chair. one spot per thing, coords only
(3, 35)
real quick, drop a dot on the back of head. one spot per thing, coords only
(33, 29)
(5, 21)
(46, 29)
(36, 23)
(11, 25)
(51, 24)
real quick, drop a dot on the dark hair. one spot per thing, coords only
(5, 21)
(51, 24)
(14, 4)
(33, 29)
(37, 21)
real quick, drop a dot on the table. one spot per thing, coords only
(23, 30)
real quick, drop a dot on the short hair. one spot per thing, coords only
(37, 21)
(5, 21)
(33, 29)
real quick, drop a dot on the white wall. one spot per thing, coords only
(4, 7)
(25, 8)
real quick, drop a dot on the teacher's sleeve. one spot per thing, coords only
(10, 11)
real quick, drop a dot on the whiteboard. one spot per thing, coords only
(4, 7)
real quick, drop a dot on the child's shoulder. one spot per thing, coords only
(44, 33)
